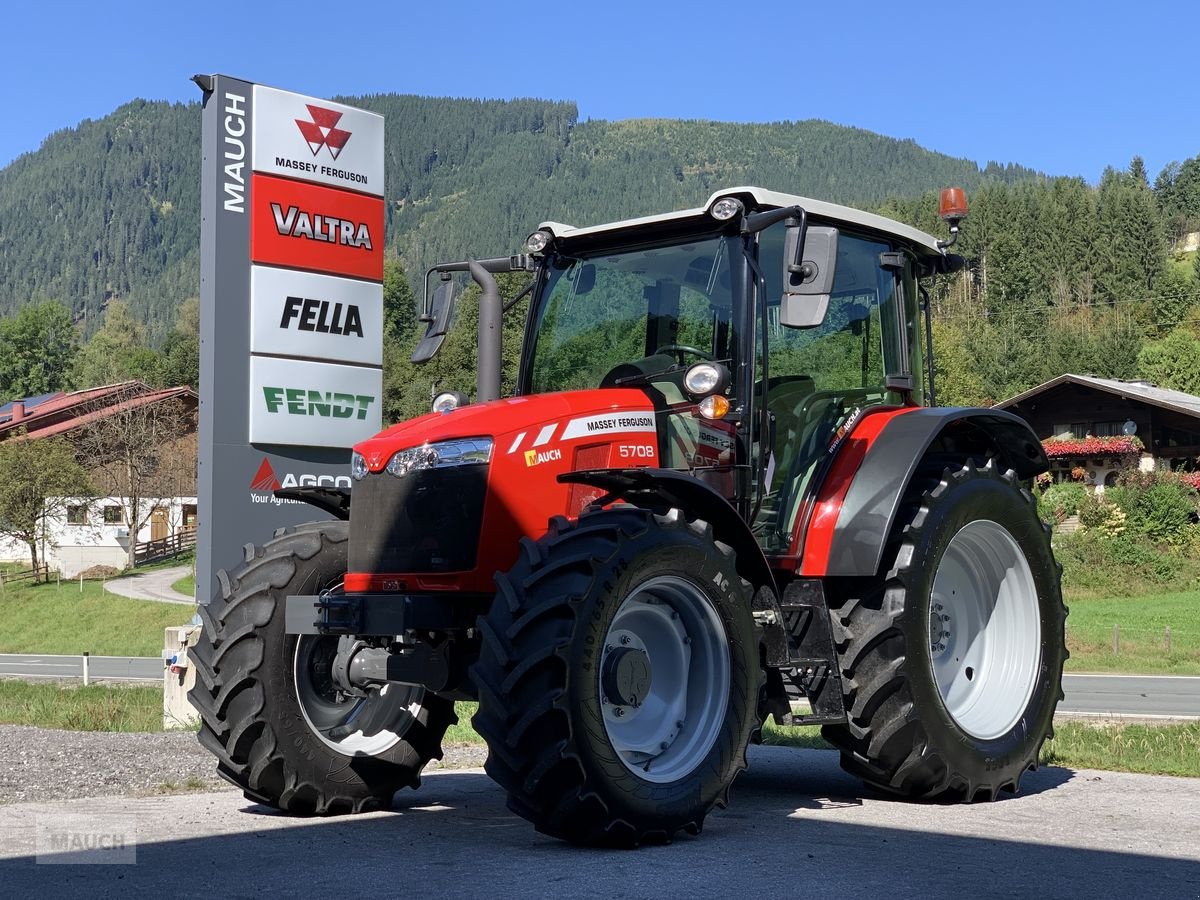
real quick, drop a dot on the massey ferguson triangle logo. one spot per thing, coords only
(322, 131)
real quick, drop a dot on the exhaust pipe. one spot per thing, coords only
(489, 361)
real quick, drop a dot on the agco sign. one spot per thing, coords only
(266, 481)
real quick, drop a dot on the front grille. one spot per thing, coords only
(426, 521)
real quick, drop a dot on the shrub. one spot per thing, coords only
(1160, 505)
(1061, 500)
(1097, 564)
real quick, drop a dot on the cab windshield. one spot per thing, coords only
(638, 318)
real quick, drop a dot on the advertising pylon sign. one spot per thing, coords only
(291, 308)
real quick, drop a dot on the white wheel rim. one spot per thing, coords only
(985, 632)
(322, 712)
(672, 639)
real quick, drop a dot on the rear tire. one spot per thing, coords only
(600, 725)
(952, 659)
(252, 717)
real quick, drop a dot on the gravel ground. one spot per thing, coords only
(38, 764)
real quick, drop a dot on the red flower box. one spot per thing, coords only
(1092, 446)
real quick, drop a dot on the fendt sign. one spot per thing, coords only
(291, 307)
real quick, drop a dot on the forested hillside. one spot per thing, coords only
(99, 231)
(1064, 277)
(111, 208)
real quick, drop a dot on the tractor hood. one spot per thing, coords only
(518, 423)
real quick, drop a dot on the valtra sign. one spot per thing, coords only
(307, 226)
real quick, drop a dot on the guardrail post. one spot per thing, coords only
(86, 673)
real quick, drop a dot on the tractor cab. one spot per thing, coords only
(757, 325)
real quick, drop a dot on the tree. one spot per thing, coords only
(399, 310)
(38, 478)
(138, 452)
(117, 352)
(1173, 362)
(37, 348)
(1137, 171)
(180, 355)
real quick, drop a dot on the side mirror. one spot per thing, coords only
(809, 264)
(441, 313)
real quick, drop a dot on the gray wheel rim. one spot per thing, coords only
(671, 637)
(332, 719)
(984, 630)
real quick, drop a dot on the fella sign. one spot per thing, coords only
(291, 303)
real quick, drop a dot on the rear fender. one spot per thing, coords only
(856, 537)
(666, 489)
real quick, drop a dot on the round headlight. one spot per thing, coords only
(726, 208)
(358, 466)
(538, 241)
(706, 378)
(448, 401)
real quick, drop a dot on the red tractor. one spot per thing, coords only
(720, 492)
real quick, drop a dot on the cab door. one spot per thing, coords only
(817, 380)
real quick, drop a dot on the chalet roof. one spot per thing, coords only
(51, 414)
(1187, 404)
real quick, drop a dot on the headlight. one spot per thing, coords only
(358, 466)
(448, 401)
(444, 454)
(538, 241)
(726, 208)
(706, 378)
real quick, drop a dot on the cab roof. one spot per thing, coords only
(760, 198)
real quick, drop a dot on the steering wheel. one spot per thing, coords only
(682, 349)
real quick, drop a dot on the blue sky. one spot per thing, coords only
(1064, 87)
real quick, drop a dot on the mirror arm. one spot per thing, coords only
(759, 221)
(519, 262)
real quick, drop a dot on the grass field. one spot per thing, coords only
(185, 585)
(1141, 623)
(77, 708)
(62, 618)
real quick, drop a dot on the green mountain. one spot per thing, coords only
(110, 208)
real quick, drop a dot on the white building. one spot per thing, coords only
(94, 532)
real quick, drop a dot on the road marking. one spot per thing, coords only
(1105, 675)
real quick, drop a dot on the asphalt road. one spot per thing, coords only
(797, 827)
(101, 668)
(154, 584)
(1151, 696)
(1148, 696)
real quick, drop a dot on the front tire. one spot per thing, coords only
(952, 660)
(618, 677)
(268, 711)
